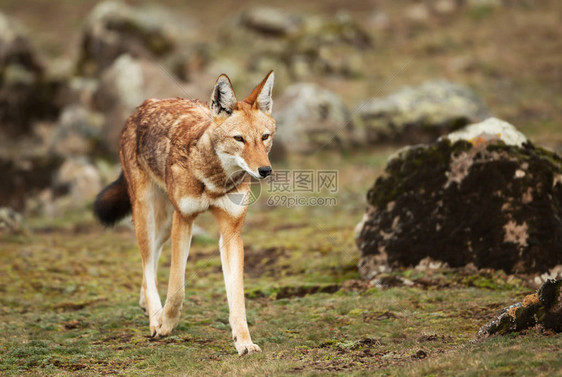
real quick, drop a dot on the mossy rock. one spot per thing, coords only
(479, 201)
(114, 28)
(543, 308)
(304, 45)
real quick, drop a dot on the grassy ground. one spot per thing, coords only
(70, 292)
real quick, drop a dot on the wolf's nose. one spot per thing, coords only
(264, 171)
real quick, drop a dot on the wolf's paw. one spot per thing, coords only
(156, 325)
(246, 349)
(168, 323)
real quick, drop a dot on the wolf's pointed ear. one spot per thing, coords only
(223, 99)
(260, 98)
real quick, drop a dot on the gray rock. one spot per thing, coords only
(419, 114)
(26, 93)
(268, 29)
(11, 222)
(271, 21)
(80, 91)
(79, 179)
(114, 28)
(310, 117)
(489, 200)
(78, 132)
(330, 46)
(124, 86)
(305, 45)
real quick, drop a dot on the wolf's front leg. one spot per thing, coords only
(232, 259)
(181, 240)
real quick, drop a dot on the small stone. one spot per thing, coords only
(491, 128)
(11, 222)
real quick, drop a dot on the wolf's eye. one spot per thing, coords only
(239, 138)
(265, 137)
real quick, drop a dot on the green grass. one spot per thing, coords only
(69, 293)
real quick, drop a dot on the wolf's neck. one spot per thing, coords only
(216, 177)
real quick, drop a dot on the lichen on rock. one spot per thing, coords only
(114, 28)
(420, 113)
(480, 201)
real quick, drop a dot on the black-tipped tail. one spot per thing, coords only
(112, 203)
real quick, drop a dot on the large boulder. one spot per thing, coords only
(421, 113)
(26, 91)
(310, 117)
(305, 45)
(485, 196)
(114, 28)
(123, 87)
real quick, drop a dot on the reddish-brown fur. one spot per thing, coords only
(182, 157)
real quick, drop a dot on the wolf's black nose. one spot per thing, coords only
(264, 171)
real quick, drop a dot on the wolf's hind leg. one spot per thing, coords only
(163, 210)
(147, 219)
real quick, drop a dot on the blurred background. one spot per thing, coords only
(355, 81)
(73, 72)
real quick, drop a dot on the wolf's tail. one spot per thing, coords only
(113, 203)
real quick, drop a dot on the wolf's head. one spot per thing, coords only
(243, 132)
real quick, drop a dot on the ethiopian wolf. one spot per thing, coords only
(181, 158)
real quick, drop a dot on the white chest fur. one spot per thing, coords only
(190, 205)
